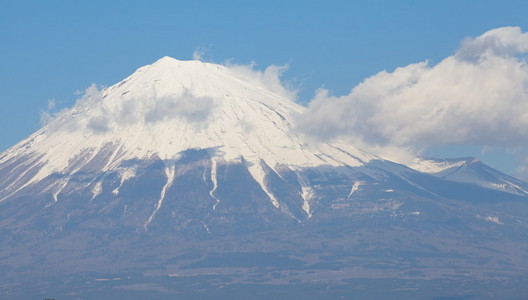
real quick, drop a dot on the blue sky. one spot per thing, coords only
(50, 50)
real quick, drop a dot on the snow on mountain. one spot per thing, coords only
(432, 166)
(166, 108)
(470, 170)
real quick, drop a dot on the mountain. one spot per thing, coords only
(189, 180)
(160, 113)
(471, 170)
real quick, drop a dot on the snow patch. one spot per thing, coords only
(355, 188)
(491, 219)
(258, 173)
(169, 172)
(206, 227)
(215, 183)
(433, 166)
(62, 184)
(509, 187)
(124, 175)
(97, 189)
(307, 195)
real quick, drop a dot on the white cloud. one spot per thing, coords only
(99, 124)
(92, 112)
(504, 42)
(193, 109)
(104, 117)
(199, 53)
(66, 118)
(47, 115)
(269, 79)
(478, 96)
(89, 92)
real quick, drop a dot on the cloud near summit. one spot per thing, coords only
(100, 116)
(477, 96)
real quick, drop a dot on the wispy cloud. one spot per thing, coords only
(47, 115)
(270, 78)
(199, 53)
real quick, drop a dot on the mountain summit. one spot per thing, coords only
(188, 169)
(165, 109)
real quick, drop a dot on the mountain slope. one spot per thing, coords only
(164, 109)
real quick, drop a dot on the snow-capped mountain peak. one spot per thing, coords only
(171, 106)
